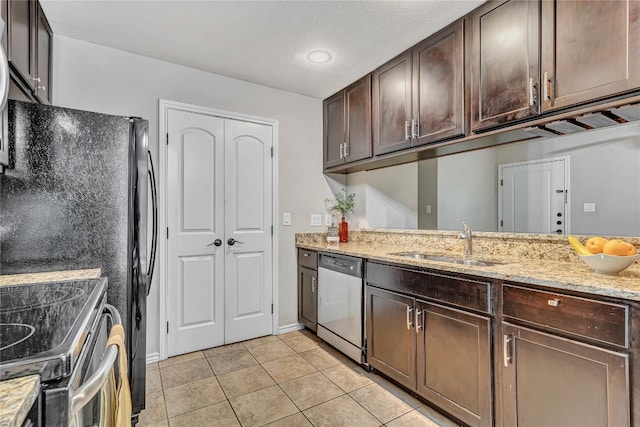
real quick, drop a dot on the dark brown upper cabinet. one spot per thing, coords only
(418, 97)
(347, 124)
(504, 60)
(44, 37)
(392, 87)
(590, 50)
(29, 51)
(20, 38)
(438, 86)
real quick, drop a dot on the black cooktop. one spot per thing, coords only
(45, 322)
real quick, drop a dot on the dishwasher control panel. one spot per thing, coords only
(343, 264)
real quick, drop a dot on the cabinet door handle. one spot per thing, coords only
(418, 317)
(506, 344)
(346, 149)
(341, 155)
(532, 92)
(409, 322)
(313, 283)
(406, 130)
(546, 86)
(414, 128)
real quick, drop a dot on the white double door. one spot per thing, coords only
(220, 230)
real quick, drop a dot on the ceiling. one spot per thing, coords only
(263, 42)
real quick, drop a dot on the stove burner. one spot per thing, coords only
(18, 298)
(14, 333)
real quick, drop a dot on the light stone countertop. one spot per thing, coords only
(16, 399)
(49, 276)
(554, 265)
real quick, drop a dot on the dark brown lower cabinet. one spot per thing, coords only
(553, 381)
(454, 362)
(308, 288)
(444, 354)
(391, 342)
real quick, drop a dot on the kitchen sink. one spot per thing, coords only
(462, 261)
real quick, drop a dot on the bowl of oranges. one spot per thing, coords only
(606, 256)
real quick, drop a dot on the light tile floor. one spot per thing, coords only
(293, 379)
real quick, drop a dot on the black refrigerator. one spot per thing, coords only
(75, 195)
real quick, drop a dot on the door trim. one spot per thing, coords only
(164, 106)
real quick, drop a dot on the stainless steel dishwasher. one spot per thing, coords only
(340, 304)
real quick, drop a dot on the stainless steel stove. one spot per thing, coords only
(59, 331)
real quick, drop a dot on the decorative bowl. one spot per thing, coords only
(609, 264)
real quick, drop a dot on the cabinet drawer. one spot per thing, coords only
(598, 320)
(458, 291)
(308, 259)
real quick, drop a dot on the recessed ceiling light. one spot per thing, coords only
(319, 56)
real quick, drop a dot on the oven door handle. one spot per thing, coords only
(93, 385)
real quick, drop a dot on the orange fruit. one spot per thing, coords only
(595, 244)
(619, 248)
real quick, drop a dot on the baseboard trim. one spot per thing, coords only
(290, 328)
(153, 357)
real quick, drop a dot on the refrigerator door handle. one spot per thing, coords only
(4, 78)
(154, 235)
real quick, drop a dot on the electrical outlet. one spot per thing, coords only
(428, 210)
(328, 218)
(286, 218)
(316, 220)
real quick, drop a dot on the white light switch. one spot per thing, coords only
(327, 219)
(316, 220)
(286, 218)
(589, 207)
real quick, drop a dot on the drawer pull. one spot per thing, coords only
(305, 254)
(553, 302)
(409, 322)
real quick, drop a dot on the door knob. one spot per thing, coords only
(233, 241)
(216, 242)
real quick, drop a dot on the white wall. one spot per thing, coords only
(96, 78)
(428, 194)
(385, 200)
(467, 191)
(604, 169)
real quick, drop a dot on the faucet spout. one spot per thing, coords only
(467, 236)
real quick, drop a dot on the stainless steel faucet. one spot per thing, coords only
(466, 235)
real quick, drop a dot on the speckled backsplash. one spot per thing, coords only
(537, 246)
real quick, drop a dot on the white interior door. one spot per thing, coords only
(248, 207)
(533, 196)
(195, 201)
